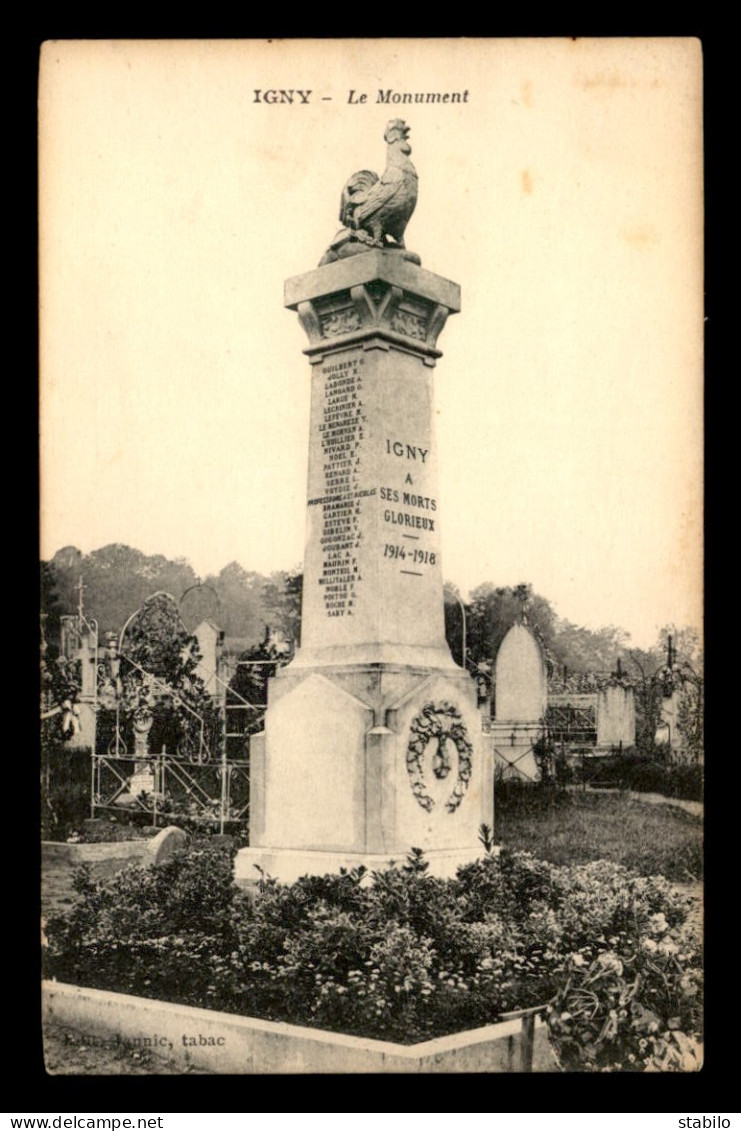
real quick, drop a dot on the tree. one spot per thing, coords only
(648, 697)
(588, 650)
(454, 614)
(240, 601)
(493, 610)
(117, 580)
(249, 686)
(60, 679)
(51, 609)
(281, 598)
(65, 774)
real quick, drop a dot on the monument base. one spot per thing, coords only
(287, 864)
(364, 762)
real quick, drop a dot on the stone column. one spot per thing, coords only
(373, 582)
(372, 739)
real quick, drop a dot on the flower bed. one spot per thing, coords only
(110, 831)
(407, 957)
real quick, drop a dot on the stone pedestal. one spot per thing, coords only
(372, 739)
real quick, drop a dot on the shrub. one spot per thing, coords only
(630, 1005)
(65, 788)
(656, 773)
(683, 780)
(139, 927)
(406, 956)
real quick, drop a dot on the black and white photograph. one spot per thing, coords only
(371, 531)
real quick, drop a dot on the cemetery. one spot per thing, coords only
(347, 851)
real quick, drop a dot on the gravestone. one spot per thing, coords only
(210, 666)
(521, 684)
(521, 693)
(372, 739)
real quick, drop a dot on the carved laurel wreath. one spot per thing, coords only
(441, 721)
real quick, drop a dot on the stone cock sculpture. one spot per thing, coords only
(375, 211)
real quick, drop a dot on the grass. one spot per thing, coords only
(574, 828)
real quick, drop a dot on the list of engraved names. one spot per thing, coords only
(342, 442)
(408, 515)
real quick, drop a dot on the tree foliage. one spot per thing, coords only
(658, 673)
(60, 679)
(491, 612)
(239, 593)
(281, 599)
(117, 580)
(158, 661)
(249, 686)
(583, 649)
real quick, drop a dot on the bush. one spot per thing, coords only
(628, 1007)
(139, 931)
(656, 773)
(65, 788)
(404, 957)
(686, 781)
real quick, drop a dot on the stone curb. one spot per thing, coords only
(151, 851)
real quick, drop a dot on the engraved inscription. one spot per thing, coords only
(410, 514)
(343, 438)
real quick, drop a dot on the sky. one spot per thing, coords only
(563, 193)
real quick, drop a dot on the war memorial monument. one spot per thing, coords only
(372, 742)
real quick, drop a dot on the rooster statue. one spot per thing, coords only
(375, 211)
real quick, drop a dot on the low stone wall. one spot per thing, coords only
(128, 851)
(224, 1043)
(153, 850)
